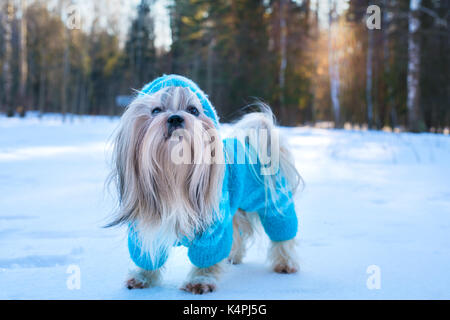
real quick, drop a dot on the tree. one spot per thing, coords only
(283, 56)
(435, 58)
(292, 36)
(23, 64)
(7, 57)
(140, 53)
(333, 64)
(369, 76)
(66, 62)
(415, 122)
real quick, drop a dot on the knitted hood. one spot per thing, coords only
(174, 80)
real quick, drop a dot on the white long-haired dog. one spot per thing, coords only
(179, 183)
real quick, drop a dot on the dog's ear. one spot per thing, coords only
(127, 146)
(117, 176)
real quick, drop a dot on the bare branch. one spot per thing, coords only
(438, 20)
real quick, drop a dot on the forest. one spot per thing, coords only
(356, 64)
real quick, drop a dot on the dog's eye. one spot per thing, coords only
(193, 110)
(156, 110)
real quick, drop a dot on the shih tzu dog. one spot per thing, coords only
(179, 183)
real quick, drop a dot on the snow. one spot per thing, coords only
(371, 198)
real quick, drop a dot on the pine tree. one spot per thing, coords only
(140, 53)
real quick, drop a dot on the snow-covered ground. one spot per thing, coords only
(371, 199)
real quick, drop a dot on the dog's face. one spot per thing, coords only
(168, 162)
(173, 108)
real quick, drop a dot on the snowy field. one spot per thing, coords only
(371, 198)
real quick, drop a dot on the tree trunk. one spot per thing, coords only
(23, 59)
(315, 36)
(42, 89)
(369, 76)
(66, 71)
(385, 106)
(333, 65)
(42, 79)
(415, 122)
(7, 72)
(283, 58)
(210, 66)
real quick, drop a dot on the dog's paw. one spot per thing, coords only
(133, 283)
(285, 268)
(140, 278)
(199, 287)
(234, 260)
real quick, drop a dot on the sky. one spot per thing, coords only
(121, 12)
(341, 5)
(124, 10)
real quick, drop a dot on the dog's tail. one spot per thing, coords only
(258, 131)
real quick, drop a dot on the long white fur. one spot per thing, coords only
(166, 201)
(250, 128)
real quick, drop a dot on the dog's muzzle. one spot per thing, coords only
(174, 122)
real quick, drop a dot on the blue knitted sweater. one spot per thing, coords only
(241, 189)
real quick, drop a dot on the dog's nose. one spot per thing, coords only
(175, 121)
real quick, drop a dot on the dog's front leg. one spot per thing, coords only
(141, 278)
(283, 256)
(203, 280)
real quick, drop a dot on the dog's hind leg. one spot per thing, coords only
(141, 278)
(242, 231)
(283, 256)
(203, 280)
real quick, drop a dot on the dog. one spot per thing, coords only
(179, 183)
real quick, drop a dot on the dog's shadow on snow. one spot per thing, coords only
(244, 281)
(256, 279)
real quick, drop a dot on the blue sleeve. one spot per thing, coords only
(143, 259)
(276, 211)
(213, 247)
(214, 244)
